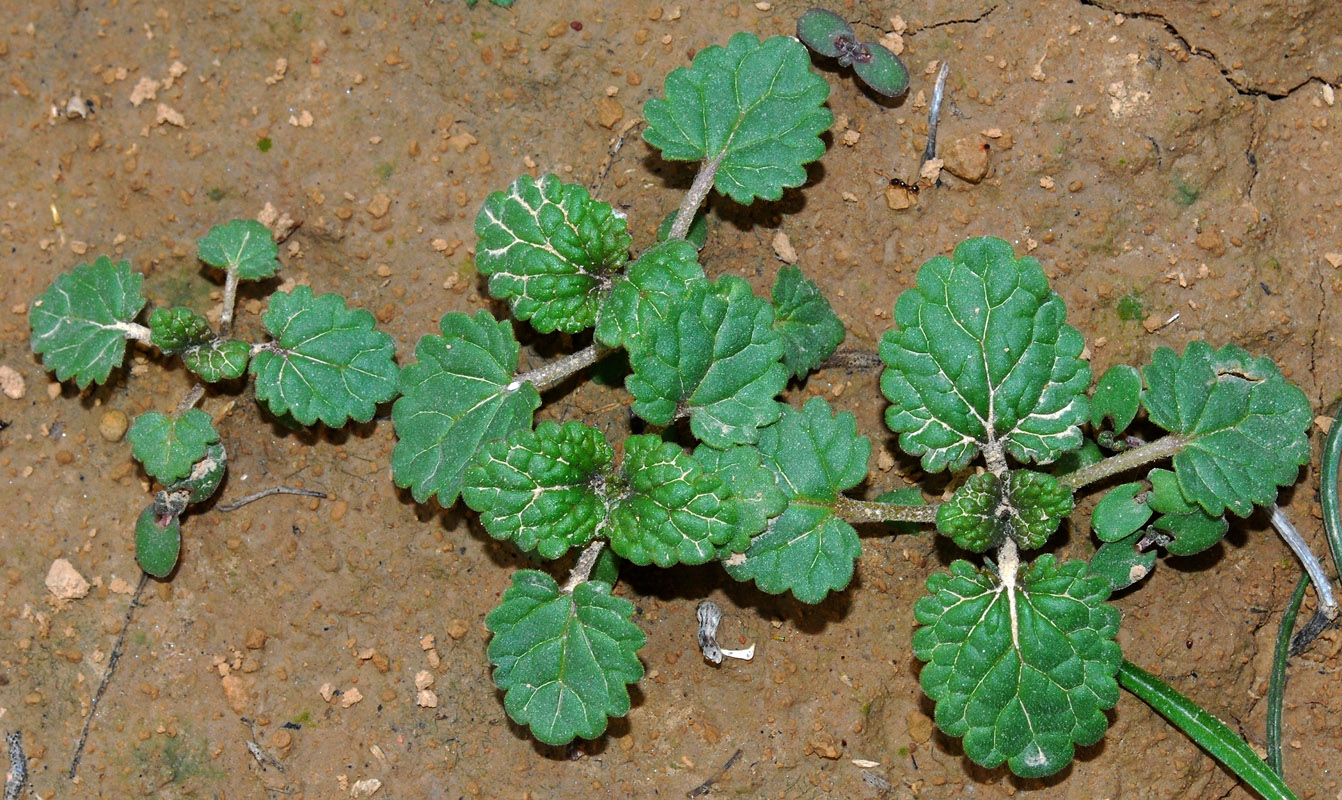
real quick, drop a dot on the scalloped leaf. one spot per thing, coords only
(79, 324)
(1119, 513)
(639, 299)
(158, 542)
(242, 245)
(542, 489)
(218, 360)
(714, 357)
(803, 317)
(459, 395)
(808, 549)
(1023, 672)
(985, 510)
(1121, 563)
(550, 250)
(749, 484)
(1246, 424)
(753, 108)
(563, 661)
(982, 360)
(1117, 396)
(1190, 528)
(168, 446)
(327, 361)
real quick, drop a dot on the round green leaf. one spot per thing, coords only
(803, 317)
(881, 70)
(1191, 529)
(1121, 563)
(168, 446)
(1117, 396)
(1119, 513)
(244, 246)
(822, 30)
(79, 324)
(157, 546)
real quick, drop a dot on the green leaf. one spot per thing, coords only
(327, 362)
(1121, 563)
(542, 489)
(985, 510)
(168, 446)
(80, 323)
(205, 476)
(825, 32)
(1085, 455)
(1192, 529)
(244, 245)
(808, 549)
(1119, 513)
(638, 300)
(753, 108)
(881, 70)
(550, 250)
(459, 395)
(983, 360)
(802, 316)
(218, 360)
(157, 546)
(714, 357)
(1117, 396)
(1022, 671)
(750, 485)
(175, 329)
(1246, 424)
(697, 235)
(563, 660)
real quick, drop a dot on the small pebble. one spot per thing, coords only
(12, 383)
(113, 425)
(65, 582)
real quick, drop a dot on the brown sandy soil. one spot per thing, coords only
(1181, 154)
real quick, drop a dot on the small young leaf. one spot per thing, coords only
(79, 324)
(458, 395)
(1193, 529)
(982, 359)
(802, 316)
(168, 446)
(750, 484)
(752, 108)
(1120, 513)
(157, 546)
(1027, 506)
(328, 362)
(714, 356)
(172, 330)
(550, 250)
(639, 299)
(218, 360)
(1246, 424)
(881, 70)
(1022, 672)
(563, 661)
(542, 489)
(697, 235)
(244, 245)
(205, 476)
(825, 32)
(808, 550)
(1117, 396)
(1121, 563)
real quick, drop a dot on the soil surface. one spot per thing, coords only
(1174, 166)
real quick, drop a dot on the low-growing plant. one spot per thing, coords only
(830, 35)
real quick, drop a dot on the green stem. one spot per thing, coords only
(1328, 469)
(1160, 449)
(1276, 687)
(858, 511)
(548, 375)
(689, 206)
(1208, 732)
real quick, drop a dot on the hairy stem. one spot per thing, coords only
(132, 330)
(703, 184)
(546, 376)
(583, 569)
(858, 511)
(230, 297)
(1160, 449)
(189, 401)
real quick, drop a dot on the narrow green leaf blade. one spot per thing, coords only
(327, 361)
(983, 359)
(549, 249)
(157, 547)
(563, 661)
(168, 446)
(1247, 425)
(79, 323)
(753, 108)
(244, 245)
(639, 299)
(542, 489)
(803, 317)
(1117, 396)
(714, 356)
(459, 395)
(1022, 672)
(218, 360)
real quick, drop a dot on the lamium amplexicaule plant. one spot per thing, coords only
(984, 379)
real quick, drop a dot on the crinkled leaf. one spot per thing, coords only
(563, 660)
(1120, 512)
(985, 510)
(1245, 423)
(79, 323)
(1121, 563)
(1116, 396)
(1191, 529)
(1022, 672)
(808, 549)
(669, 511)
(714, 356)
(549, 249)
(205, 476)
(168, 446)
(175, 329)
(157, 546)
(327, 361)
(639, 299)
(697, 235)
(750, 484)
(244, 245)
(754, 108)
(982, 359)
(218, 360)
(459, 395)
(542, 489)
(802, 316)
